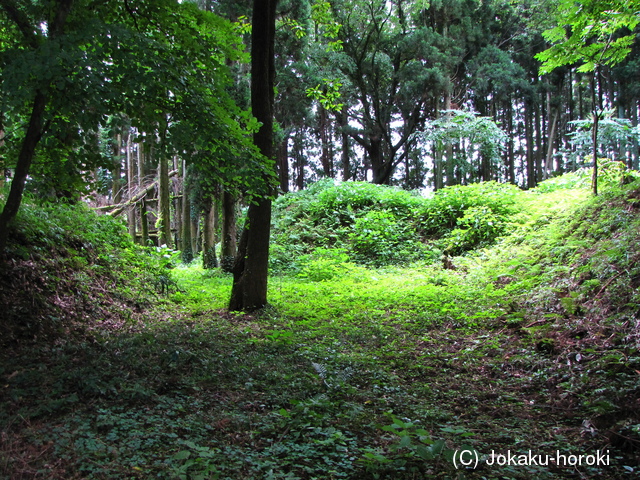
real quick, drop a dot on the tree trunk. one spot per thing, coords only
(346, 164)
(250, 270)
(594, 177)
(511, 173)
(326, 158)
(538, 136)
(144, 224)
(548, 167)
(300, 160)
(283, 164)
(25, 158)
(380, 168)
(229, 247)
(116, 171)
(131, 184)
(531, 166)
(195, 233)
(36, 120)
(164, 207)
(209, 259)
(187, 248)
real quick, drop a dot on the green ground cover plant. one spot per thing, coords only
(356, 371)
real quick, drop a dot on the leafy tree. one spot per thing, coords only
(388, 67)
(594, 33)
(478, 138)
(67, 66)
(616, 137)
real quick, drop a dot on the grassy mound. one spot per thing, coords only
(66, 269)
(376, 225)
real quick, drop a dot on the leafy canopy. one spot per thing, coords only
(161, 64)
(594, 32)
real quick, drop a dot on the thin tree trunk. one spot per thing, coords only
(551, 142)
(131, 184)
(187, 247)
(531, 169)
(538, 137)
(229, 247)
(346, 164)
(25, 158)
(325, 138)
(300, 163)
(448, 149)
(195, 233)
(209, 259)
(164, 208)
(594, 177)
(116, 171)
(144, 224)
(511, 174)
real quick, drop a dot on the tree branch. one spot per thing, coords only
(20, 19)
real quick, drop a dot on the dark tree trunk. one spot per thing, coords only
(185, 233)
(531, 165)
(164, 209)
(326, 158)
(511, 174)
(300, 160)
(131, 183)
(25, 158)
(116, 171)
(346, 164)
(538, 136)
(250, 270)
(380, 168)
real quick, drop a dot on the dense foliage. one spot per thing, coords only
(376, 225)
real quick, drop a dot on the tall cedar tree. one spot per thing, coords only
(250, 270)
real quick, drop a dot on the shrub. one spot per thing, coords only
(440, 214)
(381, 238)
(478, 226)
(463, 217)
(332, 216)
(325, 264)
(379, 225)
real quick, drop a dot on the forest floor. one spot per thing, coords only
(485, 371)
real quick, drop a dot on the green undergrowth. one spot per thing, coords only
(361, 372)
(66, 268)
(378, 226)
